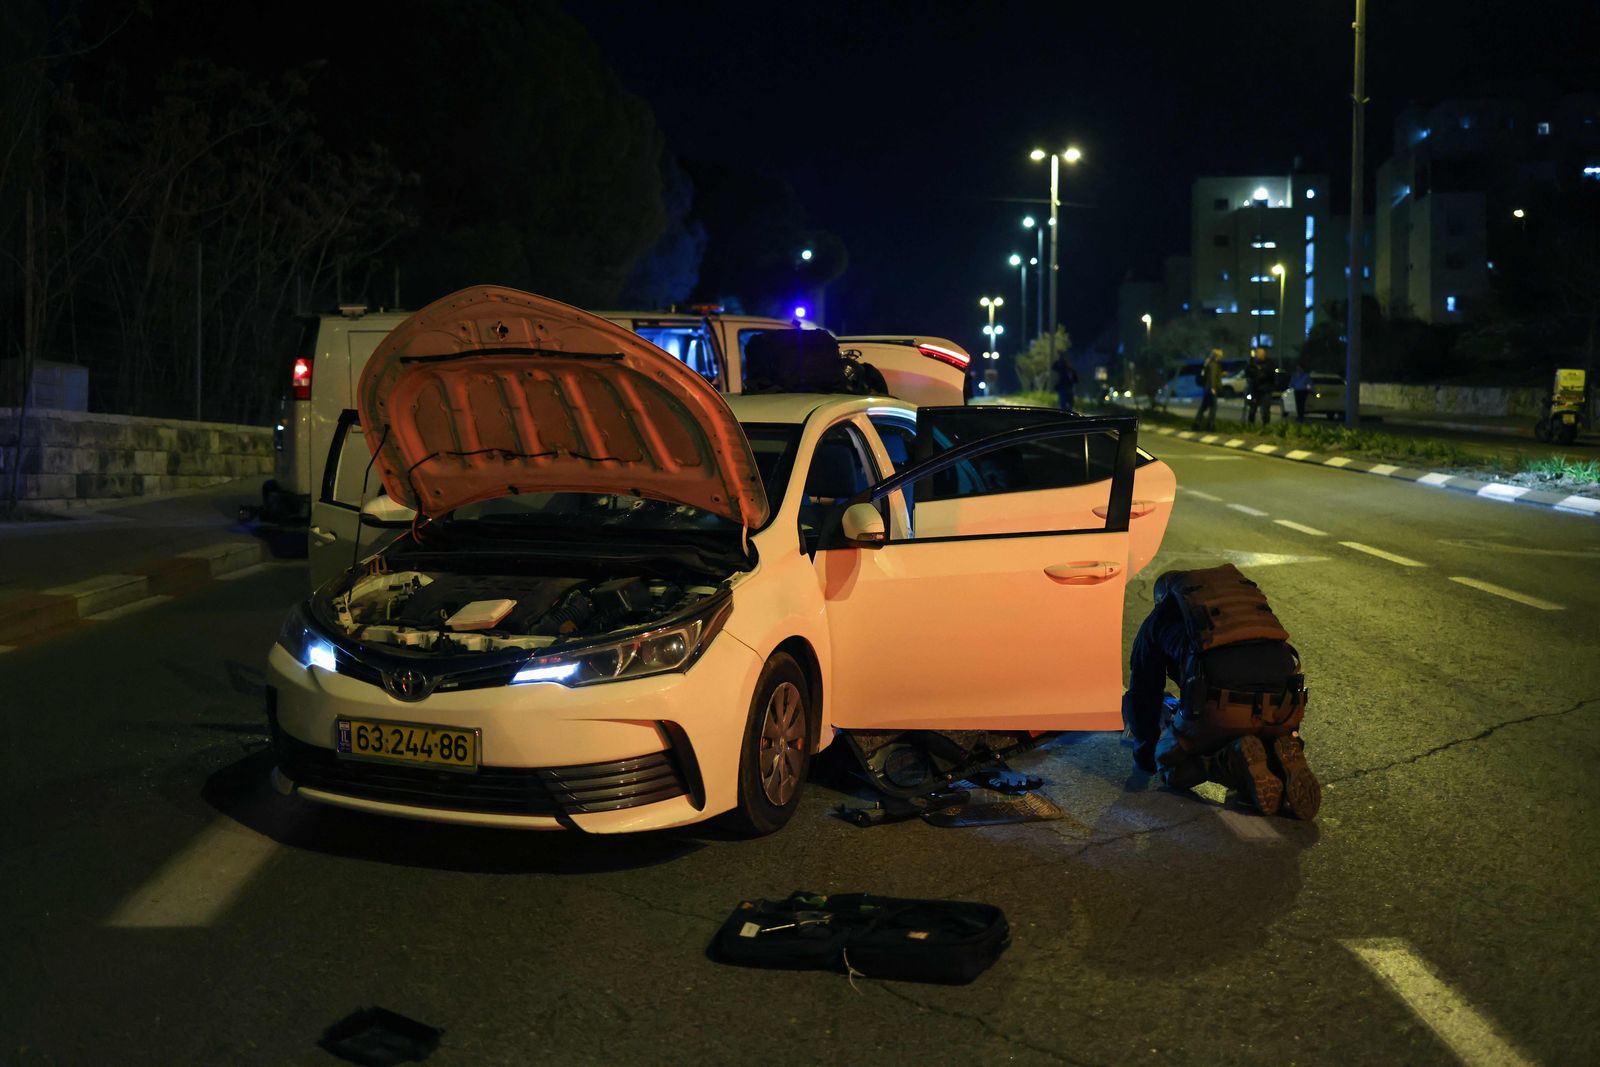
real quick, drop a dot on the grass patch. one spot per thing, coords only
(1578, 470)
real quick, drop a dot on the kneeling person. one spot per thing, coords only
(1242, 692)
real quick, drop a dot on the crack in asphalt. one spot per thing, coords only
(654, 906)
(987, 1027)
(1481, 735)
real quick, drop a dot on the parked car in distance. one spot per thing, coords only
(1326, 397)
(1233, 381)
(1182, 384)
(615, 599)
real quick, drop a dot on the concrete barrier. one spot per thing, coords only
(1455, 399)
(70, 457)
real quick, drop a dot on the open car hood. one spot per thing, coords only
(491, 392)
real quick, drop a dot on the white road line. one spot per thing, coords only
(1510, 594)
(1458, 1024)
(1298, 453)
(1336, 461)
(1249, 510)
(1248, 827)
(200, 882)
(1208, 438)
(1384, 469)
(1265, 450)
(1164, 430)
(1381, 554)
(1435, 478)
(1497, 491)
(1199, 495)
(1581, 505)
(1233, 442)
(1312, 530)
(129, 609)
(1186, 434)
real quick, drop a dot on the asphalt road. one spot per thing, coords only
(163, 906)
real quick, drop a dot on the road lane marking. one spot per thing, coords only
(1234, 442)
(200, 882)
(1312, 530)
(1298, 453)
(1458, 1024)
(1208, 438)
(1265, 450)
(1200, 495)
(1510, 594)
(1435, 478)
(129, 609)
(1185, 434)
(1580, 505)
(1497, 491)
(1384, 469)
(1336, 461)
(1248, 510)
(1381, 554)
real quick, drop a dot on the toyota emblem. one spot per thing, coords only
(407, 684)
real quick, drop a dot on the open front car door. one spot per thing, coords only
(995, 601)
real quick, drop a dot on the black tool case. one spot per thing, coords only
(946, 941)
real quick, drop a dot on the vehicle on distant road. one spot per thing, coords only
(335, 348)
(1234, 381)
(615, 599)
(1326, 397)
(1182, 384)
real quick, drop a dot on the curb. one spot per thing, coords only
(32, 616)
(1500, 491)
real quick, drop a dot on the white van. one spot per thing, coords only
(926, 371)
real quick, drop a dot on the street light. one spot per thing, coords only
(1071, 155)
(805, 254)
(1022, 282)
(1028, 223)
(991, 331)
(1283, 281)
(1148, 322)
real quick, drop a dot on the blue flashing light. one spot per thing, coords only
(1311, 194)
(1449, 303)
(800, 311)
(320, 654)
(554, 672)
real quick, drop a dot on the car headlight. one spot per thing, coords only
(305, 644)
(671, 648)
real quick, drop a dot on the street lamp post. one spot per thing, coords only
(1283, 281)
(1071, 155)
(1038, 264)
(1022, 280)
(1352, 329)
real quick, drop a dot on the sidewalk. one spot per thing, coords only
(56, 570)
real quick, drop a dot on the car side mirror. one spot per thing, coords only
(862, 526)
(382, 511)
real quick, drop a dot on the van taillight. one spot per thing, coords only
(300, 379)
(956, 359)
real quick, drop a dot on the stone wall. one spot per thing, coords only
(77, 457)
(1455, 399)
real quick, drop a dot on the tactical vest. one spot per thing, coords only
(1222, 607)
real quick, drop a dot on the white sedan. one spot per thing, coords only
(1325, 397)
(619, 601)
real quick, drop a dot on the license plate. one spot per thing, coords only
(405, 742)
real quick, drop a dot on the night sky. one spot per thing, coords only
(905, 127)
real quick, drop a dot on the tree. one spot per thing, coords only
(1033, 366)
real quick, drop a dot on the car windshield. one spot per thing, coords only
(772, 444)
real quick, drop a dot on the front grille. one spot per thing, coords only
(551, 791)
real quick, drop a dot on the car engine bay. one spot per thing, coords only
(449, 613)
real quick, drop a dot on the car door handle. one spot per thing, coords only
(1086, 572)
(321, 536)
(1137, 510)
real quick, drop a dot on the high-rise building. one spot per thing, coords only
(1264, 254)
(1448, 199)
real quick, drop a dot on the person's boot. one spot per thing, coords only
(1242, 765)
(1302, 791)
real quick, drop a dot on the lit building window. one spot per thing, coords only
(1592, 171)
(1263, 244)
(1466, 122)
(1311, 257)
(1309, 301)
(1273, 311)
(1542, 129)
(1224, 275)
(1262, 278)
(1490, 264)
(1186, 305)
(1401, 192)
(1366, 272)
(1450, 303)
(1311, 227)
(1308, 323)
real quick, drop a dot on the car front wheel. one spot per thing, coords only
(775, 756)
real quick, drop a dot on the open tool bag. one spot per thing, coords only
(946, 941)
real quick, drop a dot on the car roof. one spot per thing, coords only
(796, 408)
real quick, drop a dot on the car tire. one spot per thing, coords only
(776, 752)
(1565, 435)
